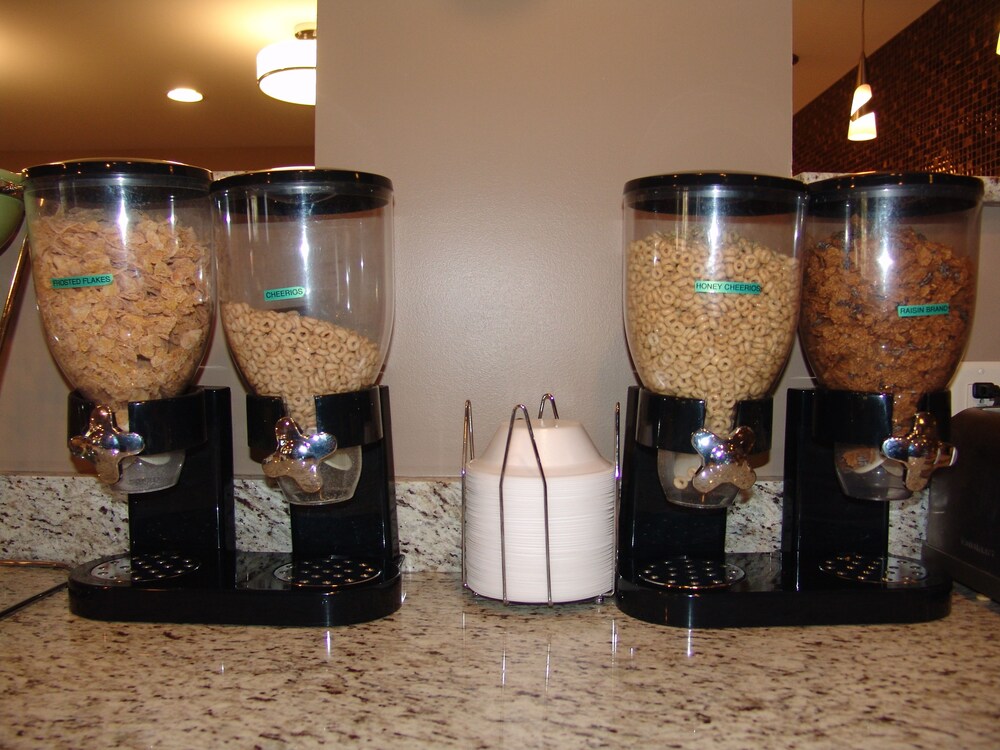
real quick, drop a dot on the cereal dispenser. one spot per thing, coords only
(711, 294)
(123, 272)
(306, 303)
(121, 253)
(888, 296)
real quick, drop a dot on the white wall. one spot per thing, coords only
(509, 128)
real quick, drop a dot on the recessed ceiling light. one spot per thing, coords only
(184, 95)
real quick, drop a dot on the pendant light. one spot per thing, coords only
(862, 125)
(286, 70)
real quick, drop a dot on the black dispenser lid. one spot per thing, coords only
(911, 193)
(115, 167)
(311, 190)
(744, 193)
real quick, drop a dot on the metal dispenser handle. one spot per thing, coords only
(724, 460)
(921, 451)
(105, 445)
(298, 456)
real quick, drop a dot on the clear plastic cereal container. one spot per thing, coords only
(711, 285)
(123, 271)
(711, 294)
(890, 282)
(305, 281)
(888, 296)
(122, 263)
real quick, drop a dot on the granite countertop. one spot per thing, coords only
(451, 670)
(22, 582)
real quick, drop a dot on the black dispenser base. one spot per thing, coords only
(242, 588)
(834, 567)
(183, 565)
(785, 592)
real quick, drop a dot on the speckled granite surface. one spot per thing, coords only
(448, 670)
(21, 582)
(73, 519)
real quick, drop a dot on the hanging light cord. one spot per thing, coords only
(862, 28)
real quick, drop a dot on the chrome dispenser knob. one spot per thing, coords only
(298, 456)
(105, 445)
(920, 451)
(724, 460)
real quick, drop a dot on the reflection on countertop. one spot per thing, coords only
(452, 670)
(23, 581)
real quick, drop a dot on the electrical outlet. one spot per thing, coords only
(969, 373)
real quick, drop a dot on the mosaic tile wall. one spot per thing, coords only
(936, 97)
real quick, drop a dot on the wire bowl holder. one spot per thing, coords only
(469, 453)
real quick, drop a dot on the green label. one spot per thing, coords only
(78, 282)
(288, 292)
(705, 286)
(916, 311)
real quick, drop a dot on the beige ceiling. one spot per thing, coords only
(89, 77)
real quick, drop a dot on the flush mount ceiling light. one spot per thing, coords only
(287, 70)
(862, 125)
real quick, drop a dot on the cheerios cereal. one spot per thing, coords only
(140, 332)
(691, 339)
(296, 357)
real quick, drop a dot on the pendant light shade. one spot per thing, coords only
(286, 70)
(862, 124)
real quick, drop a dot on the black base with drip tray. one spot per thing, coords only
(834, 565)
(242, 588)
(762, 590)
(182, 564)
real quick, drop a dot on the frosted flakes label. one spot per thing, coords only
(79, 282)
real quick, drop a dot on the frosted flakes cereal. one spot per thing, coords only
(127, 308)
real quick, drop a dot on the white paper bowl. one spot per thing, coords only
(564, 447)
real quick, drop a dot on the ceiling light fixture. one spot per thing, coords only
(862, 126)
(185, 95)
(287, 70)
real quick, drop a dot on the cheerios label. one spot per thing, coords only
(917, 311)
(705, 286)
(288, 292)
(78, 282)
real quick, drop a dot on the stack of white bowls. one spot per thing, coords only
(580, 486)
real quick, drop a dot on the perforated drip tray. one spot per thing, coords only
(148, 568)
(897, 571)
(691, 574)
(328, 572)
(236, 587)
